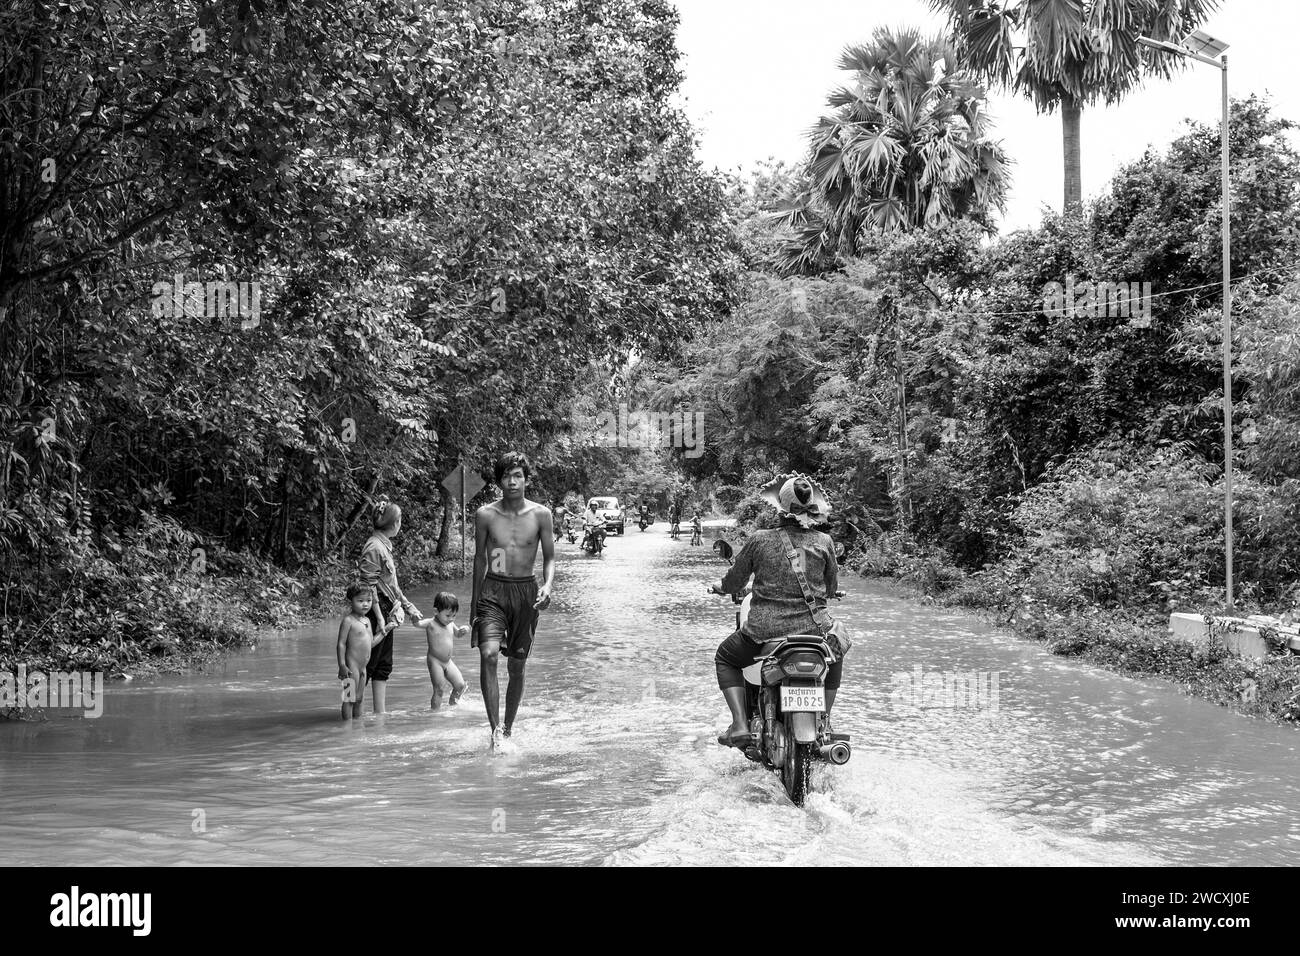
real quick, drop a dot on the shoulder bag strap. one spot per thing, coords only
(792, 554)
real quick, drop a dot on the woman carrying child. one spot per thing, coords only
(377, 568)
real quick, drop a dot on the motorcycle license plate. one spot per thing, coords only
(803, 698)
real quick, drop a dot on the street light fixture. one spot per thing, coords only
(1165, 45)
(1199, 45)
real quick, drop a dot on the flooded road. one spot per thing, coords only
(970, 747)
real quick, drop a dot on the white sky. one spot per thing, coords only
(758, 72)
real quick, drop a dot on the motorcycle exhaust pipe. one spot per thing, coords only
(837, 753)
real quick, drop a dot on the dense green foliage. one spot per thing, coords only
(1076, 456)
(448, 211)
(473, 229)
(1061, 469)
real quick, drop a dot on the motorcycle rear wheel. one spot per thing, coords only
(796, 767)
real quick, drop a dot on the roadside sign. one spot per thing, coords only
(473, 483)
(464, 485)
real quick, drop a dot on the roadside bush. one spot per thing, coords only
(877, 558)
(1117, 529)
(144, 597)
(1142, 645)
(929, 569)
(1113, 529)
(752, 513)
(728, 497)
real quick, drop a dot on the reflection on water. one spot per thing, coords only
(993, 752)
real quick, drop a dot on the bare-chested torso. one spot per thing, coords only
(512, 538)
(360, 640)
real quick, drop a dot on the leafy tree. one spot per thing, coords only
(448, 208)
(1161, 216)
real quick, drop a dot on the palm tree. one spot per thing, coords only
(905, 147)
(1068, 53)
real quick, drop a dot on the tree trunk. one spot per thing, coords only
(904, 501)
(284, 515)
(356, 512)
(444, 533)
(6, 449)
(1071, 121)
(268, 536)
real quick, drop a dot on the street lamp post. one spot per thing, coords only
(1200, 46)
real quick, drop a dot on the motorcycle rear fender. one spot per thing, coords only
(803, 724)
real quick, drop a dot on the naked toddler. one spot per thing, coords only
(442, 632)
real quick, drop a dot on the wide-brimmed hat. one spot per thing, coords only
(799, 497)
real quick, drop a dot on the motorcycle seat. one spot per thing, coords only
(753, 673)
(813, 640)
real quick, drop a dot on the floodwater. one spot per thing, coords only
(993, 752)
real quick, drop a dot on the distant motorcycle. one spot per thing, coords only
(571, 533)
(675, 530)
(644, 521)
(785, 695)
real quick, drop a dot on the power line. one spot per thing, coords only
(1154, 295)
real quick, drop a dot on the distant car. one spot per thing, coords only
(612, 513)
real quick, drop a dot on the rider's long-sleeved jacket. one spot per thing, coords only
(778, 606)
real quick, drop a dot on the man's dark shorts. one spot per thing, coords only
(506, 614)
(380, 664)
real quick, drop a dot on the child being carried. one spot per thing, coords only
(442, 632)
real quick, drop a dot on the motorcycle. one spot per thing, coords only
(593, 542)
(785, 696)
(644, 522)
(571, 533)
(675, 530)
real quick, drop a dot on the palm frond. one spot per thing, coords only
(902, 148)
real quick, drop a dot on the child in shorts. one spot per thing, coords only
(354, 645)
(441, 632)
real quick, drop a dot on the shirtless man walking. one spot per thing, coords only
(506, 598)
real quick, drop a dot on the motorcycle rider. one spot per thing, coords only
(592, 524)
(778, 607)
